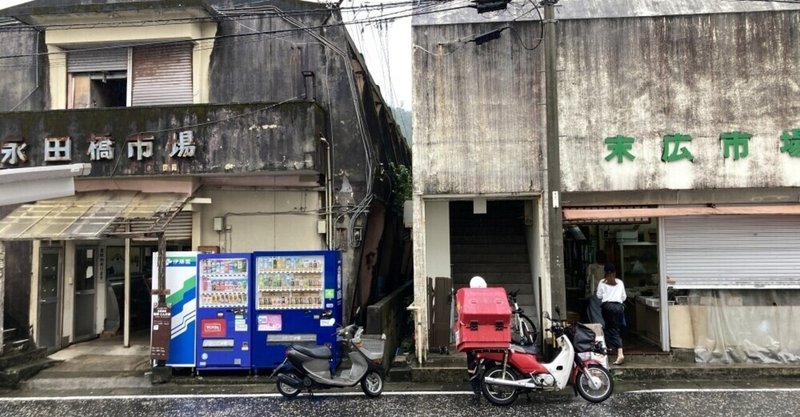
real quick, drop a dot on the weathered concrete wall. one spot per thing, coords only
(478, 119)
(389, 317)
(229, 139)
(269, 68)
(23, 83)
(262, 220)
(699, 75)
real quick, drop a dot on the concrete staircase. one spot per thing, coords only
(20, 360)
(492, 245)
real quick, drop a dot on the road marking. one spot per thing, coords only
(206, 396)
(709, 390)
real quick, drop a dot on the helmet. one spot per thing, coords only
(477, 282)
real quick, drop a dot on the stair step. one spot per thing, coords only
(498, 258)
(12, 376)
(480, 248)
(487, 239)
(497, 268)
(9, 360)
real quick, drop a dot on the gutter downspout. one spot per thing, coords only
(328, 195)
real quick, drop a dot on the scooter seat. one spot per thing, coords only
(319, 352)
(530, 349)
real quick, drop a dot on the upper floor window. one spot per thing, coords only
(136, 76)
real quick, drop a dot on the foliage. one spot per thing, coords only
(402, 184)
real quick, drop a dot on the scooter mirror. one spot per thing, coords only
(558, 311)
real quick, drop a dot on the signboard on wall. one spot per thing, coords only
(160, 336)
(181, 282)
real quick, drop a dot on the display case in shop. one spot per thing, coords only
(289, 282)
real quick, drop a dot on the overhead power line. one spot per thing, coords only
(243, 35)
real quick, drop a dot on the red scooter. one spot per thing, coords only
(507, 372)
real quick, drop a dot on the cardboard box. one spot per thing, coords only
(484, 319)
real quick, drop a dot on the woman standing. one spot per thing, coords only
(611, 292)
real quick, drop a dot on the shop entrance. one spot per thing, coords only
(85, 292)
(141, 284)
(632, 246)
(49, 299)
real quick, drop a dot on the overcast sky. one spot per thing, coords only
(386, 47)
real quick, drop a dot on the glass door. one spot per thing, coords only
(85, 268)
(49, 300)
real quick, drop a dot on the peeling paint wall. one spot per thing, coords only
(700, 75)
(229, 139)
(23, 82)
(478, 116)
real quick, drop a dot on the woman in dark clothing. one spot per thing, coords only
(611, 292)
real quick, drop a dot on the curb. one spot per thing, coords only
(625, 372)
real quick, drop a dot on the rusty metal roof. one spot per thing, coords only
(93, 215)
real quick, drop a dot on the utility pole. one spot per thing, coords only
(553, 196)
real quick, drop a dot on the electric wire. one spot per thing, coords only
(224, 37)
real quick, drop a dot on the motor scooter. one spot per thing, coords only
(309, 368)
(507, 372)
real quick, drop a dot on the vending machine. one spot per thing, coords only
(297, 299)
(223, 331)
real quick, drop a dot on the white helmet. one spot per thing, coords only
(477, 282)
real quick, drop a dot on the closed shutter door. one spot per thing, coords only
(162, 74)
(732, 251)
(180, 228)
(112, 59)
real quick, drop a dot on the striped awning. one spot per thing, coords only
(93, 215)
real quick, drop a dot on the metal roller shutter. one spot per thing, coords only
(732, 251)
(180, 228)
(162, 74)
(111, 59)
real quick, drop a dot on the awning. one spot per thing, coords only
(93, 215)
(604, 213)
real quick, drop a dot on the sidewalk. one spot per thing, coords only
(450, 368)
(105, 366)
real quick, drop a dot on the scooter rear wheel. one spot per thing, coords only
(584, 386)
(287, 390)
(372, 384)
(499, 394)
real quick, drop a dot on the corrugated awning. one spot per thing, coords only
(93, 215)
(604, 213)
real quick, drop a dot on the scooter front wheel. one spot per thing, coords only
(602, 377)
(372, 384)
(287, 390)
(499, 394)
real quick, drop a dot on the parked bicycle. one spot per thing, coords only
(523, 331)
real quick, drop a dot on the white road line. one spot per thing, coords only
(709, 390)
(204, 396)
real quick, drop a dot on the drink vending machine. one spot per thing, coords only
(297, 299)
(223, 331)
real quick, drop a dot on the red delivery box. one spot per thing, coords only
(484, 319)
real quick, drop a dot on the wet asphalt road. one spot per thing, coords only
(773, 400)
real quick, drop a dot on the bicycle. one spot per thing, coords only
(523, 331)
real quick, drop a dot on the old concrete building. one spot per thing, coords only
(229, 126)
(678, 134)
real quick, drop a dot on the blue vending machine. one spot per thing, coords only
(223, 331)
(297, 298)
